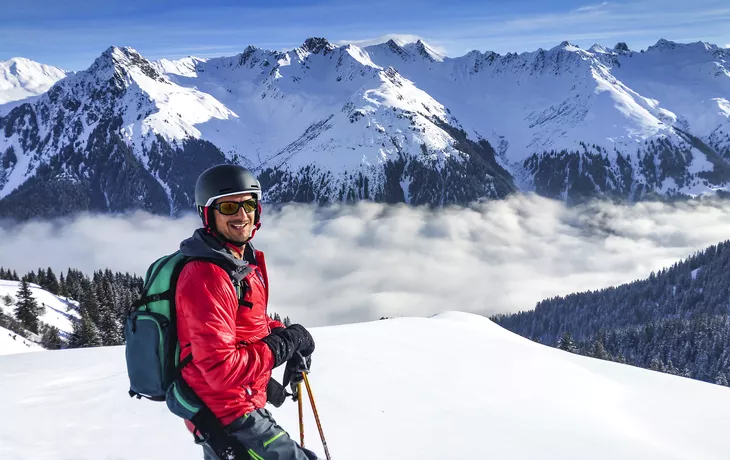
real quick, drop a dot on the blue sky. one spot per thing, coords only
(72, 33)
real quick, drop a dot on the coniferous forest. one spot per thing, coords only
(675, 321)
(101, 302)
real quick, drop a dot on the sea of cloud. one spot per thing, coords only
(349, 263)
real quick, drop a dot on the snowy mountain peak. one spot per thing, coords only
(120, 61)
(394, 46)
(598, 49)
(622, 48)
(695, 51)
(250, 50)
(12, 63)
(662, 44)
(118, 56)
(567, 46)
(22, 78)
(423, 49)
(316, 45)
(253, 55)
(474, 56)
(248, 55)
(19, 66)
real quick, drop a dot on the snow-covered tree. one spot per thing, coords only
(85, 333)
(27, 309)
(566, 343)
(51, 338)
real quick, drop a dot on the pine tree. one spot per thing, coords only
(85, 333)
(89, 303)
(30, 277)
(52, 284)
(110, 327)
(104, 295)
(8, 300)
(287, 322)
(599, 351)
(721, 379)
(566, 343)
(74, 280)
(41, 279)
(62, 289)
(51, 339)
(27, 309)
(657, 365)
(671, 369)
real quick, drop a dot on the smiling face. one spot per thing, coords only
(237, 227)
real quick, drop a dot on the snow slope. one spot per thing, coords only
(11, 343)
(57, 312)
(455, 386)
(22, 79)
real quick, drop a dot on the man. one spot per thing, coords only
(221, 300)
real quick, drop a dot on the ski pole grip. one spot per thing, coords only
(302, 362)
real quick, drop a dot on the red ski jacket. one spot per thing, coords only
(231, 366)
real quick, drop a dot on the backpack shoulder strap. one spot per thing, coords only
(261, 264)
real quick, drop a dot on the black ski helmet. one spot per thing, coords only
(224, 180)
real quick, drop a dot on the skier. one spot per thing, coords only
(223, 320)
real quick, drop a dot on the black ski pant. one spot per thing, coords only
(263, 439)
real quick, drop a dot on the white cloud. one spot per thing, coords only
(597, 7)
(353, 263)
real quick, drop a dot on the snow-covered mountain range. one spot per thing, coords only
(389, 122)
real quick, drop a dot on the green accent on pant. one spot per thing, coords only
(254, 455)
(274, 438)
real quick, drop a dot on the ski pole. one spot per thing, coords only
(316, 415)
(301, 413)
(303, 368)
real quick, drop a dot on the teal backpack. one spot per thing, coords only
(152, 348)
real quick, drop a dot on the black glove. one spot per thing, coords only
(294, 368)
(284, 344)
